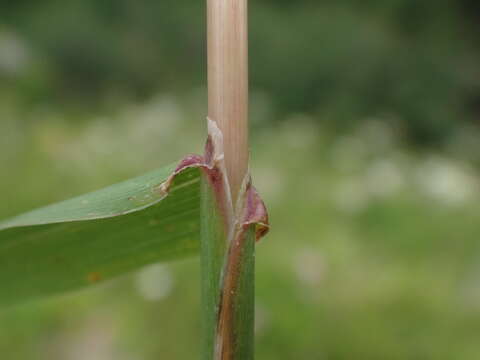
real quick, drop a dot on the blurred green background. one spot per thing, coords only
(365, 145)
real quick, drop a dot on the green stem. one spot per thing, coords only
(228, 284)
(213, 248)
(228, 237)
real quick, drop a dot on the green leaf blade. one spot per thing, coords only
(118, 199)
(98, 236)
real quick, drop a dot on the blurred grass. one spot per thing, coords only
(373, 253)
(343, 60)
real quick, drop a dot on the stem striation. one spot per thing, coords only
(227, 41)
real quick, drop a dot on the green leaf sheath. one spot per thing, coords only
(214, 245)
(97, 236)
(235, 323)
(245, 299)
(228, 235)
(235, 327)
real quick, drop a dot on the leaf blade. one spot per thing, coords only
(99, 235)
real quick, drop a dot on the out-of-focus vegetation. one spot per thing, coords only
(374, 250)
(413, 61)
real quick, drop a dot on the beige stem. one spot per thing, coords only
(228, 83)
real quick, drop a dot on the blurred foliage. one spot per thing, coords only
(373, 254)
(414, 61)
(374, 250)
